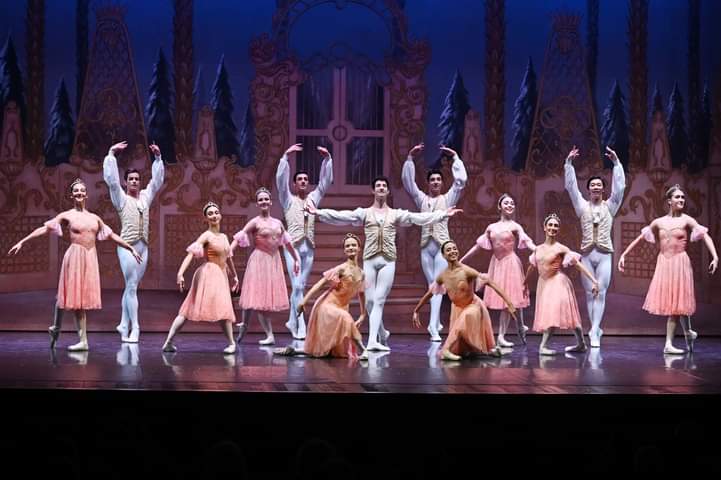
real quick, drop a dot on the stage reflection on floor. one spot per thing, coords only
(622, 365)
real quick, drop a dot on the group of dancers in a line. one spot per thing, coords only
(331, 330)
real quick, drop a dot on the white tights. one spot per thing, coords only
(296, 323)
(379, 273)
(433, 264)
(133, 272)
(600, 265)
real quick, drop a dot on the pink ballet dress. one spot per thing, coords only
(556, 304)
(505, 269)
(671, 290)
(79, 283)
(208, 298)
(264, 282)
(331, 329)
(470, 331)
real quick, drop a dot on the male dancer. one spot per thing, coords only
(300, 226)
(379, 253)
(433, 236)
(596, 217)
(133, 206)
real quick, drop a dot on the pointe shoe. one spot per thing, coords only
(581, 347)
(594, 337)
(132, 338)
(292, 328)
(446, 355)
(229, 350)
(383, 335)
(122, 330)
(300, 334)
(502, 342)
(691, 337)
(434, 335)
(377, 347)
(269, 340)
(671, 350)
(241, 331)
(54, 334)
(79, 347)
(168, 347)
(522, 334)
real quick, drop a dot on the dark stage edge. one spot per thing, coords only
(119, 412)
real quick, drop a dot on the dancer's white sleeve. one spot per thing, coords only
(571, 184)
(408, 177)
(405, 218)
(325, 179)
(282, 177)
(460, 177)
(618, 186)
(341, 217)
(157, 177)
(112, 179)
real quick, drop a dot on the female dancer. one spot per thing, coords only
(470, 331)
(208, 298)
(263, 287)
(556, 305)
(671, 290)
(79, 284)
(505, 268)
(331, 329)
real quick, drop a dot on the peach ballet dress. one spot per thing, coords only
(505, 268)
(208, 298)
(331, 329)
(264, 282)
(470, 330)
(671, 291)
(556, 304)
(79, 283)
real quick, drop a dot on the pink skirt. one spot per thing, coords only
(470, 331)
(208, 299)
(556, 304)
(508, 274)
(264, 283)
(79, 283)
(671, 291)
(331, 330)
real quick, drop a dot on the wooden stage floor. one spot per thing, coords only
(624, 365)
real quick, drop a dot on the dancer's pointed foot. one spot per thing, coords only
(363, 356)
(377, 347)
(269, 340)
(168, 347)
(81, 346)
(230, 349)
(691, 337)
(284, 351)
(446, 355)
(383, 335)
(292, 327)
(522, 333)
(671, 350)
(502, 342)
(546, 351)
(434, 335)
(594, 336)
(122, 330)
(54, 334)
(241, 331)
(134, 336)
(578, 348)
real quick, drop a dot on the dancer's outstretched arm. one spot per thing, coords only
(460, 177)
(38, 232)
(157, 174)
(319, 285)
(618, 183)
(571, 183)
(424, 299)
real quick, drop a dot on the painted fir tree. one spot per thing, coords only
(705, 124)
(614, 131)
(200, 99)
(453, 116)
(657, 100)
(226, 140)
(247, 139)
(159, 110)
(59, 144)
(524, 109)
(676, 128)
(11, 81)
